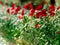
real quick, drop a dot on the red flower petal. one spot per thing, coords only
(20, 17)
(8, 10)
(31, 12)
(44, 11)
(0, 2)
(39, 14)
(28, 6)
(43, 15)
(51, 7)
(17, 9)
(25, 6)
(38, 7)
(37, 25)
(13, 12)
(13, 5)
(12, 8)
(23, 12)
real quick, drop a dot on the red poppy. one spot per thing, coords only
(44, 11)
(12, 12)
(51, 10)
(12, 8)
(44, 14)
(25, 6)
(38, 7)
(28, 6)
(31, 12)
(39, 14)
(17, 9)
(20, 17)
(13, 5)
(0, 2)
(8, 10)
(52, 7)
(22, 12)
(37, 25)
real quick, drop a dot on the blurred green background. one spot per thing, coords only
(22, 2)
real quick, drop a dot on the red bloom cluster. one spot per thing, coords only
(51, 10)
(40, 11)
(13, 9)
(41, 14)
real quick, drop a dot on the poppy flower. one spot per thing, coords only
(37, 25)
(8, 10)
(0, 2)
(39, 14)
(13, 5)
(31, 13)
(25, 6)
(44, 11)
(17, 9)
(51, 7)
(38, 7)
(28, 6)
(12, 8)
(12, 12)
(22, 12)
(51, 10)
(20, 17)
(44, 14)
